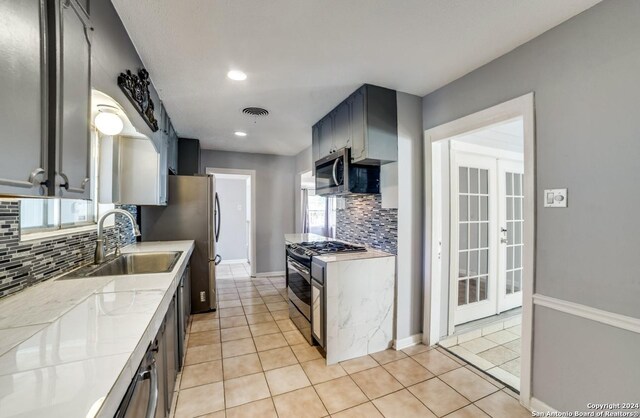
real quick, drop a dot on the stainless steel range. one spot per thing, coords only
(299, 278)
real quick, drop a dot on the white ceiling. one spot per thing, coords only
(507, 136)
(303, 57)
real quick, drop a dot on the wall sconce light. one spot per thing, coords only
(107, 120)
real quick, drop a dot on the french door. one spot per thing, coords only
(486, 235)
(511, 221)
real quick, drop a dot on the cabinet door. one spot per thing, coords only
(326, 136)
(22, 84)
(85, 5)
(342, 126)
(171, 344)
(315, 147)
(164, 172)
(173, 149)
(358, 122)
(73, 145)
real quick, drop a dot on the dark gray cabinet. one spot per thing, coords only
(85, 5)
(160, 366)
(366, 122)
(341, 118)
(164, 172)
(188, 156)
(45, 79)
(74, 101)
(358, 122)
(325, 141)
(173, 150)
(315, 146)
(23, 84)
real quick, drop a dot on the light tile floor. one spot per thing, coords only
(494, 348)
(228, 271)
(248, 360)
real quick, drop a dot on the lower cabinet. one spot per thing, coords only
(151, 391)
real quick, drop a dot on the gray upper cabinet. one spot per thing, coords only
(73, 142)
(366, 122)
(173, 150)
(325, 136)
(315, 146)
(45, 79)
(358, 122)
(22, 101)
(85, 4)
(342, 126)
(164, 172)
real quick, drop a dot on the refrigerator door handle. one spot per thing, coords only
(219, 217)
(211, 209)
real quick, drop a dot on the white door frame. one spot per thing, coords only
(252, 175)
(522, 106)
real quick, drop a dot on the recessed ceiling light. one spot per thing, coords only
(237, 75)
(240, 133)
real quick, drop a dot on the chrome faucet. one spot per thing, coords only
(101, 241)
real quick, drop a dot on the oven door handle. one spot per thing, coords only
(302, 270)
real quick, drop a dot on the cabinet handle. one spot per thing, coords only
(34, 174)
(64, 185)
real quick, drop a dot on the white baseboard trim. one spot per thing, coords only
(270, 274)
(407, 342)
(605, 317)
(238, 261)
(538, 406)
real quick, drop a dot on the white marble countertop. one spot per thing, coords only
(70, 348)
(298, 238)
(335, 257)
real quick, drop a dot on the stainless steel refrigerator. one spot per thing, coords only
(193, 213)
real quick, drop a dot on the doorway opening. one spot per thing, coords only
(236, 243)
(482, 193)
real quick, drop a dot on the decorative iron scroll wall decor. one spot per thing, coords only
(136, 88)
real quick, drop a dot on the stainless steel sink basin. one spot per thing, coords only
(130, 263)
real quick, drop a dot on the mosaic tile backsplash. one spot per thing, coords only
(24, 264)
(364, 221)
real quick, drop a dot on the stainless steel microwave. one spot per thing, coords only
(336, 175)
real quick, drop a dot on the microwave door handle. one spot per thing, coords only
(335, 171)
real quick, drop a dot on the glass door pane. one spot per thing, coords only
(514, 202)
(473, 228)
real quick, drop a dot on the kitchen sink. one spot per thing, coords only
(129, 263)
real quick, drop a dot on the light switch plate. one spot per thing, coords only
(555, 198)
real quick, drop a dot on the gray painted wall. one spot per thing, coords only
(112, 52)
(586, 361)
(274, 200)
(409, 293)
(584, 74)
(232, 244)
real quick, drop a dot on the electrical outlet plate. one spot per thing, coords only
(555, 198)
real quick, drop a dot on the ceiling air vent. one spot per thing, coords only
(255, 111)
